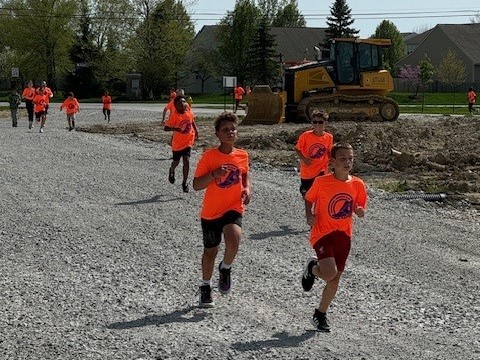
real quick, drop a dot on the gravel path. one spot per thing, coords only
(100, 260)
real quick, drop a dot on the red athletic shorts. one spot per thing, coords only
(335, 244)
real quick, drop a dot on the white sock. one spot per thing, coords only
(206, 282)
(225, 266)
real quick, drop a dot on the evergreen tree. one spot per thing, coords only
(263, 65)
(339, 23)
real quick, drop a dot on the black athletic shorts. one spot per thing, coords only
(213, 229)
(177, 155)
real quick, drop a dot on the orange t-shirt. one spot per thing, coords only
(239, 91)
(107, 102)
(186, 138)
(28, 93)
(225, 193)
(334, 202)
(317, 148)
(471, 97)
(40, 101)
(71, 105)
(48, 94)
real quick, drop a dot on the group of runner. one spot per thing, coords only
(331, 195)
(37, 103)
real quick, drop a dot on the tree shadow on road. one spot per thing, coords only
(187, 315)
(153, 199)
(285, 230)
(161, 159)
(280, 340)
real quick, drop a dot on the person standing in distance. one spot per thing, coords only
(238, 92)
(107, 105)
(332, 200)
(472, 96)
(14, 101)
(224, 172)
(28, 94)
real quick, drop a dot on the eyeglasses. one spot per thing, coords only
(318, 121)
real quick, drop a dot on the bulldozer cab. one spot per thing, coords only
(351, 56)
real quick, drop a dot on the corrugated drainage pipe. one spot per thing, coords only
(426, 197)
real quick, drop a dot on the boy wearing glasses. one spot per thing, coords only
(313, 148)
(224, 172)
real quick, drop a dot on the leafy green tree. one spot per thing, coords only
(340, 22)
(41, 33)
(427, 72)
(289, 16)
(237, 29)
(162, 42)
(264, 67)
(452, 71)
(387, 30)
(270, 8)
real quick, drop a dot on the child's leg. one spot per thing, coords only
(329, 292)
(232, 234)
(186, 168)
(208, 262)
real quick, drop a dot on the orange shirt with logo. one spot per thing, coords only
(185, 138)
(316, 148)
(239, 91)
(225, 193)
(107, 102)
(40, 102)
(28, 93)
(471, 97)
(334, 202)
(71, 105)
(48, 94)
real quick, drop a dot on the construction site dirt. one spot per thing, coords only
(423, 153)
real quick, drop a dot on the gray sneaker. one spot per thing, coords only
(205, 299)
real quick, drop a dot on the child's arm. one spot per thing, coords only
(304, 159)
(196, 130)
(201, 182)
(309, 213)
(246, 191)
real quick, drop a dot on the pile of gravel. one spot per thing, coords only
(101, 260)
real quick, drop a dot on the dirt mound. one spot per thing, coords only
(432, 154)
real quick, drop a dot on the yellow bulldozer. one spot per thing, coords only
(350, 85)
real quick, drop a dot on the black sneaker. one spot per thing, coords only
(319, 320)
(171, 176)
(205, 300)
(308, 279)
(224, 280)
(185, 188)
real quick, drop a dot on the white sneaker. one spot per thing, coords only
(41, 129)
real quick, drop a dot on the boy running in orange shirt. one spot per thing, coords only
(107, 105)
(224, 173)
(185, 132)
(40, 106)
(72, 107)
(332, 199)
(28, 94)
(313, 148)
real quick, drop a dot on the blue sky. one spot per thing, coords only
(407, 15)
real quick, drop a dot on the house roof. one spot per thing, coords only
(294, 43)
(465, 36)
(414, 38)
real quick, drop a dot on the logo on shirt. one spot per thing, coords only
(341, 206)
(316, 151)
(186, 125)
(232, 177)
